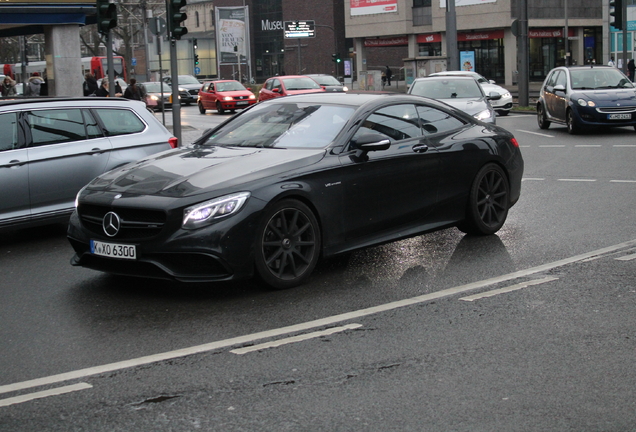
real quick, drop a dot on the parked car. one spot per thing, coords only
(224, 95)
(501, 106)
(50, 148)
(189, 87)
(462, 92)
(288, 85)
(328, 82)
(292, 179)
(584, 97)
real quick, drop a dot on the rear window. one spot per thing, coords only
(8, 131)
(119, 121)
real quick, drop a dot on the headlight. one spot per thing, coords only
(228, 98)
(252, 96)
(583, 102)
(155, 98)
(345, 88)
(506, 95)
(205, 213)
(485, 114)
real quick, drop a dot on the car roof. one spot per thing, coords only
(220, 80)
(354, 98)
(446, 77)
(465, 73)
(61, 101)
(288, 76)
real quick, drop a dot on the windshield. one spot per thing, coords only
(326, 80)
(155, 87)
(283, 125)
(229, 86)
(600, 78)
(447, 89)
(188, 79)
(301, 83)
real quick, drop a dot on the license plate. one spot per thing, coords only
(114, 250)
(242, 103)
(619, 116)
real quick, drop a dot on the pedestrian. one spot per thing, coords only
(611, 62)
(34, 85)
(90, 85)
(631, 68)
(388, 73)
(103, 90)
(135, 91)
(7, 89)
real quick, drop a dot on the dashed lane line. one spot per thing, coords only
(509, 289)
(42, 394)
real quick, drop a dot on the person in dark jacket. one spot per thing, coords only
(631, 68)
(90, 85)
(388, 74)
(135, 91)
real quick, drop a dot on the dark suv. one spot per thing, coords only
(188, 87)
(586, 97)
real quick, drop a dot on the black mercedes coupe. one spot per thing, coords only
(287, 181)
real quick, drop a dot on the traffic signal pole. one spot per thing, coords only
(175, 17)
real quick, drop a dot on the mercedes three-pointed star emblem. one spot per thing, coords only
(111, 224)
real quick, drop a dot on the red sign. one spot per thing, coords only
(383, 42)
(474, 36)
(429, 38)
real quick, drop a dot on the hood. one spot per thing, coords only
(608, 97)
(470, 106)
(493, 88)
(196, 170)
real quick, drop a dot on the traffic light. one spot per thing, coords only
(175, 17)
(338, 59)
(616, 14)
(106, 16)
(196, 59)
(194, 43)
(334, 58)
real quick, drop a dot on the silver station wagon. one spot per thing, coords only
(51, 148)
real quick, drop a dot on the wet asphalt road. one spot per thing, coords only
(557, 355)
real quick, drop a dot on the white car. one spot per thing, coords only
(501, 106)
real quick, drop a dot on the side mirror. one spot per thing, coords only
(276, 90)
(371, 142)
(494, 96)
(559, 87)
(491, 81)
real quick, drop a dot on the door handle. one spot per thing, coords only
(13, 163)
(420, 148)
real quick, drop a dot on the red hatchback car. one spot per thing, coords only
(224, 95)
(288, 85)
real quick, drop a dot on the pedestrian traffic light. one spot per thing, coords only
(175, 17)
(338, 59)
(616, 14)
(196, 59)
(334, 58)
(106, 16)
(194, 43)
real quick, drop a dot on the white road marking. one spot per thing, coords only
(508, 289)
(322, 322)
(627, 257)
(622, 181)
(46, 393)
(552, 146)
(293, 339)
(624, 145)
(536, 133)
(577, 180)
(588, 145)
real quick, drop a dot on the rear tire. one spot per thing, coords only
(542, 119)
(488, 202)
(287, 245)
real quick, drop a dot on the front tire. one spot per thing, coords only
(488, 202)
(542, 119)
(573, 128)
(287, 245)
(201, 109)
(219, 108)
(503, 113)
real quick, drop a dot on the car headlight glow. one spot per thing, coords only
(345, 88)
(228, 98)
(485, 114)
(252, 96)
(207, 212)
(153, 97)
(583, 102)
(506, 95)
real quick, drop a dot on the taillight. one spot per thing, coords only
(174, 142)
(514, 142)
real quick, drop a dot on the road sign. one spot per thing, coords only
(157, 26)
(133, 61)
(197, 70)
(300, 29)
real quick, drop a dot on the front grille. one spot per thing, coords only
(194, 92)
(616, 110)
(135, 223)
(241, 97)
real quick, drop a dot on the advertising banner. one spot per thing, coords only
(369, 7)
(467, 61)
(232, 34)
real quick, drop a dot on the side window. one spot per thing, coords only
(434, 120)
(8, 131)
(552, 80)
(92, 128)
(561, 79)
(56, 126)
(276, 84)
(396, 122)
(268, 84)
(119, 121)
